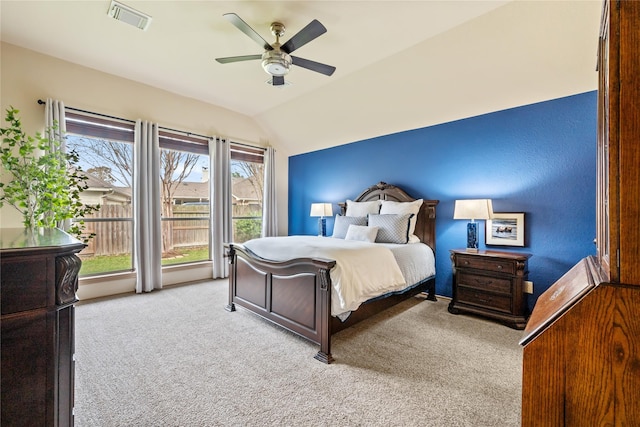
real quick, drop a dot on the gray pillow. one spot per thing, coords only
(342, 224)
(392, 228)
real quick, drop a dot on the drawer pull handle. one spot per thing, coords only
(481, 281)
(499, 267)
(466, 263)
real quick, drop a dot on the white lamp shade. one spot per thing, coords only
(473, 209)
(321, 209)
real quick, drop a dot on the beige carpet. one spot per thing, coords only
(175, 357)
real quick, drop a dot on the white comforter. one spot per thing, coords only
(363, 270)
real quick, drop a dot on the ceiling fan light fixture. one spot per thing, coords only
(276, 63)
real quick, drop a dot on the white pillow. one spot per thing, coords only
(362, 208)
(362, 233)
(399, 208)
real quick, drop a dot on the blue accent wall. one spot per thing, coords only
(539, 159)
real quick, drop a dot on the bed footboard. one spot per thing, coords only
(294, 294)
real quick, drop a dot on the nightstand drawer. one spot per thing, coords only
(484, 299)
(486, 263)
(484, 283)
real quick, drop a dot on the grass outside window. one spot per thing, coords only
(105, 264)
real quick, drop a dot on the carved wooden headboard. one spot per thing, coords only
(426, 221)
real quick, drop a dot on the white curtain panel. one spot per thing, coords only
(147, 208)
(269, 204)
(220, 196)
(56, 128)
(54, 118)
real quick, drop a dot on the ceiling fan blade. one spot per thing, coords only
(277, 81)
(313, 66)
(304, 36)
(229, 59)
(245, 28)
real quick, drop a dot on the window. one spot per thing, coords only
(184, 175)
(247, 189)
(105, 148)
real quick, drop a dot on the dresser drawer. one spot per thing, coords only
(486, 263)
(485, 283)
(25, 285)
(496, 302)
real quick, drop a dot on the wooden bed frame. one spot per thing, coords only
(296, 294)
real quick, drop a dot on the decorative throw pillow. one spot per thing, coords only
(362, 233)
(389, 207)
(342, 223)
(393, 228)
(362, 208)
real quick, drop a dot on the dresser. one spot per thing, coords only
(490, 284)
(581, 357)
(38, 279)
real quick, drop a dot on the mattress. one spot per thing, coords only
(363, 270)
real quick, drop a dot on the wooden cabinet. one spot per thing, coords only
(581, 360)
(490, 284)
(39, 277)
(618, 198)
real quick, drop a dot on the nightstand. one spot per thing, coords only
(490, 284)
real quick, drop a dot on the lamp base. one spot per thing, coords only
(322, 227)
(472, 237)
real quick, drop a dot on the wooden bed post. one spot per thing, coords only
(231, 254)
(324, 355)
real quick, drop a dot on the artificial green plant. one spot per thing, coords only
(46, 182)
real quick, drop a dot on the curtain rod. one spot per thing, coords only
(41, 102)
(244, 144)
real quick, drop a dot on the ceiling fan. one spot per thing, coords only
(277, 58)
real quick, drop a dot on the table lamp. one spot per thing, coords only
(322, 210)
(473, 209)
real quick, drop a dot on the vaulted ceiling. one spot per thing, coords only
(399, 64)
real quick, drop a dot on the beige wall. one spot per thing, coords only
(28, 76)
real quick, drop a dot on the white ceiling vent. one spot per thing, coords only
(129, 15)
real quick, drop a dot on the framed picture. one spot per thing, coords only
(505, 229)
